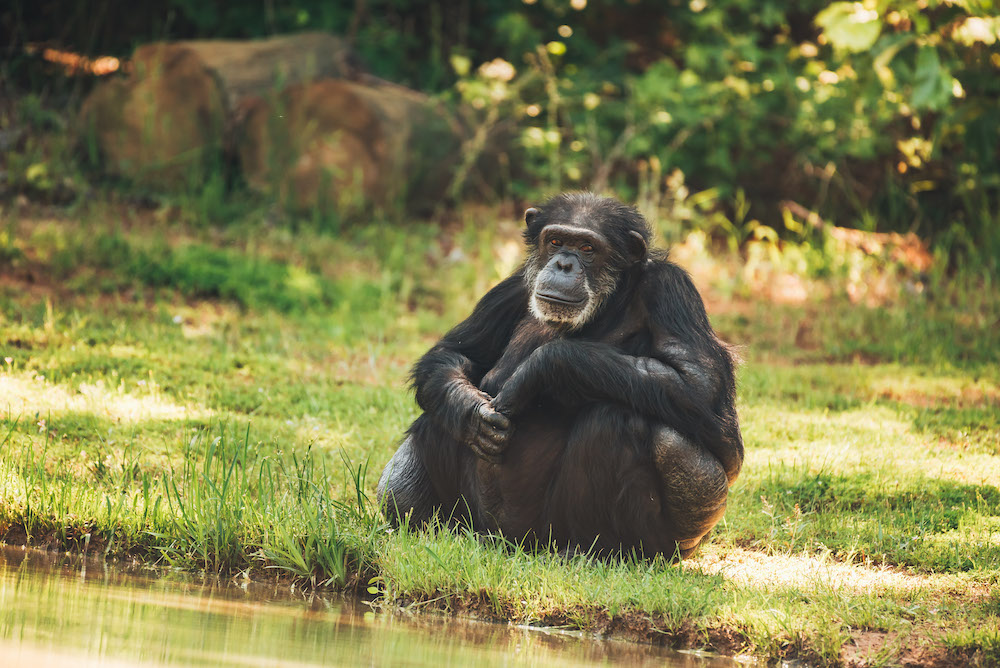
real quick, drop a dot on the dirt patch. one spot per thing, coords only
(75, 539)
(967, 397)
(756, 569)
(929, 652)
(30, 279)
(866, 647)
(629, 625)
(14, 535)
(872, 648)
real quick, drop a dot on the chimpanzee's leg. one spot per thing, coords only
(695, 487)
(606, 495)
(425, 476)
(405, 487)
(634, 484)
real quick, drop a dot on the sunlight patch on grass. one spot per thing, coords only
(318, 432)
(769, 422)
(821, 437)
(376, 363)
(31, 394)
(974, 531)
(857, 439)
(752, 568)
(971, 469)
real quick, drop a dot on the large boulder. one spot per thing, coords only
(346, 146)
(170, 119)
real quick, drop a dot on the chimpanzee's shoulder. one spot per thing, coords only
(670, 296)
(662, 277)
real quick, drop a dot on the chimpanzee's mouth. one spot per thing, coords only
(558, 300)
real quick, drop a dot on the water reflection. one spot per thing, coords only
(60, 610)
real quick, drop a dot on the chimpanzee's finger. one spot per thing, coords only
(496, 420)
(487, 453)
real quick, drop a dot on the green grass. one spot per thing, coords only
(224, 399)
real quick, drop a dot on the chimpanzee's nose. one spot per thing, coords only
(566, 264)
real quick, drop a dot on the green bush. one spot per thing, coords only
(859, 111)
(882, 111)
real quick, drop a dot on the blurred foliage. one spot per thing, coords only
(862, 112)
(882, 111)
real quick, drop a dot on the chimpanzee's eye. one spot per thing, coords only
(587, 248)
(555, 242)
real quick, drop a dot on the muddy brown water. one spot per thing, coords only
(62, 610)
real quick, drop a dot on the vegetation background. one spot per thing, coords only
(875, 114)
(199, 378)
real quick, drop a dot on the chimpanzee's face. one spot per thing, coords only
(580, 246)
(566, 288)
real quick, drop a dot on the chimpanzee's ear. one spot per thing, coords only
(636, 247)
(529, 215)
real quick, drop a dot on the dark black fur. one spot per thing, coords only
(617, 433)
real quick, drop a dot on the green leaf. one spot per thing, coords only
(849, 26)
(882, 60)
(932, 81)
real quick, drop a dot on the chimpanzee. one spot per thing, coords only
(586, 403)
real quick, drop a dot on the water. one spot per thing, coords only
(58, 610)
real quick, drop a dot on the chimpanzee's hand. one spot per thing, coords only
(506, 403)
(488, 432)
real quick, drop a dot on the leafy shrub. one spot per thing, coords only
(879, 110)
(859, 111)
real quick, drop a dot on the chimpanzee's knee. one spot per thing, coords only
(695, 486)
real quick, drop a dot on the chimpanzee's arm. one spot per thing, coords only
(447, 376)
(686, 381)
(668, 385)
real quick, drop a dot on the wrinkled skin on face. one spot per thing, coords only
(573, 269)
